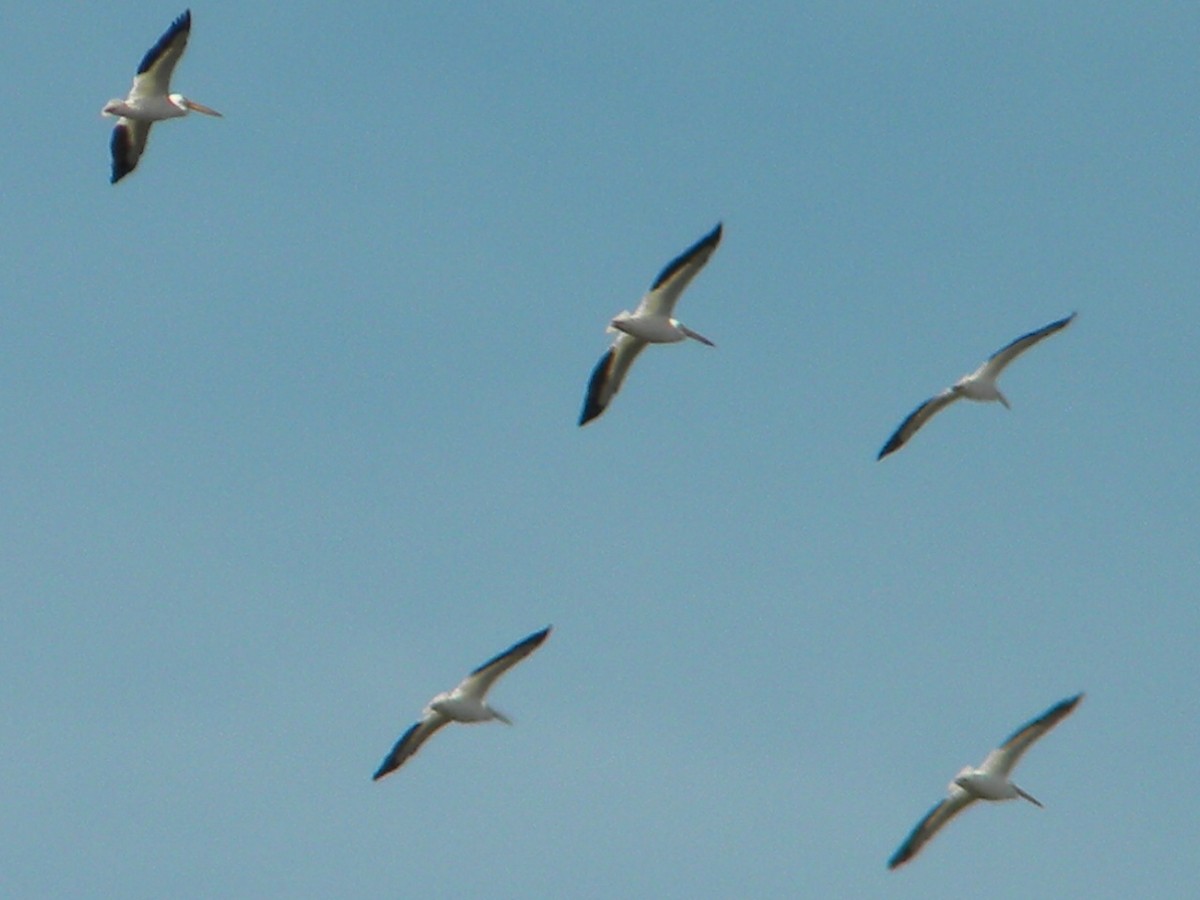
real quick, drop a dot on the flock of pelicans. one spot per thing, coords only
(150, 101)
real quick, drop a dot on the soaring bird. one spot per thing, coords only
(979, 385)
(466, 703)
(650, 323)
(149, 101)
(988, 782)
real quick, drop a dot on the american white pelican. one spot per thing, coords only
(979, 385)
(989, 782)
(463, 704)
(651, 323)
(148, 101)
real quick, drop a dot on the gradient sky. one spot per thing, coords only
(289, 446)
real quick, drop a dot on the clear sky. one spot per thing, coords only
(290, 445)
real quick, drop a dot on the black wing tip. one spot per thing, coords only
(1057, 325)
(708, 242)
(591, 410)
(592, 407)
(899, 858)
(182, 24)
(535, 640)
(898, 438)
(1066, 706)
(588, 414)
(121, 145)
(521, 648)
(390, 762)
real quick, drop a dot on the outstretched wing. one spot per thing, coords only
(933, 822)
(1002, 760)
(678, 274)
(128, 144)
(916, 419)
(608, 375)
(153, 76)
(480, 681)
(1006, 354)
(410, 742)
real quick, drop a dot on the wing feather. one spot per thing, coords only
(154, 73)
(128, 144)
(410, 742)
(480, 681)
(678, 274)
(1010, 351)
(608, 375)
(916, 419)
(933, 822)
(1004, 758)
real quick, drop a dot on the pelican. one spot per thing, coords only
(989, 782)
(651, 323)
(465, 703)
(979, 385)
(148, 101)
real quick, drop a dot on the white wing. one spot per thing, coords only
(937, 817)
(1002, 760)
(410, 742)
(916, 419)
(678, 274)
(608, 375)
(153, 78)
(479, 682)
(1006, 354)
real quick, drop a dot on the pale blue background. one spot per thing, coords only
(289, 445)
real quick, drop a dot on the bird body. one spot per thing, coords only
(649, 328)
(460, 706)
(152, 108)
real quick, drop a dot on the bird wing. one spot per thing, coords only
(608, 375)
(1002, 760)
(480, 681)
(153, 78)
(958, 800)
(1006, 354)
(128, 144)
(678, 274)
(410, 742)
(916, 419)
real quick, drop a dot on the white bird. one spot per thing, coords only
(651, 323)
(988, 782)
(465, 703)
(149, 101)
(979, 385)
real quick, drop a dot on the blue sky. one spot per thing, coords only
(290, 446)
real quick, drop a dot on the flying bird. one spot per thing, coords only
(466, 703)
(650, 323)
(979, 385)
(988, 782)
(149, 101)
